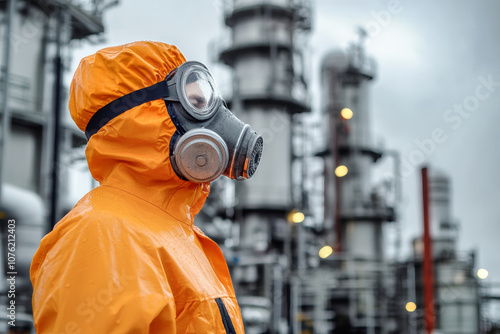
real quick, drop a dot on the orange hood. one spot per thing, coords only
(131, 152)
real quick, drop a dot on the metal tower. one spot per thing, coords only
(268, 89)
(455, 287)
(352, 300)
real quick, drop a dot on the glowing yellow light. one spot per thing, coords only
(482, 273)
(346, 113)
(341, 171)
(411, 306)
(325, 252)
(296, 217)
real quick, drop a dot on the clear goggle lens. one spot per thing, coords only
(200, 91)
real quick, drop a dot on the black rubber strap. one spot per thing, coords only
(124, 103)
(226, 319)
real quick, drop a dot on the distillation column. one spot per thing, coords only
(354, 211)
(456, 289)
(263, 58)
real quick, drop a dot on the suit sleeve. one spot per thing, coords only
(101, 277)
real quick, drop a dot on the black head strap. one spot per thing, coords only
(124, 103)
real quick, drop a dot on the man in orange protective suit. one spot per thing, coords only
(127, 258)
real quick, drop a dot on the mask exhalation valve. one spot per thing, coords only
(254, 160)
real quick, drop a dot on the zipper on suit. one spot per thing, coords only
(226, 319)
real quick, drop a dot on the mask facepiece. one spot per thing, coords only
(210, 141)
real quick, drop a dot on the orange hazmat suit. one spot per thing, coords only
(127, 258)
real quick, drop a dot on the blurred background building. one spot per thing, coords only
(37, 147)
(306, 239)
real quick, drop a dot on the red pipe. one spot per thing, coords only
(338, 227)
(428, 273)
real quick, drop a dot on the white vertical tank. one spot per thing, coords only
(262, 54)
(443, 228)
(354, 212)
(456, 289)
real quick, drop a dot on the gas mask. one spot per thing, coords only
(210, 141)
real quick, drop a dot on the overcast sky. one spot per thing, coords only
(436, 96)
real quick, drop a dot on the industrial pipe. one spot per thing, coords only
(428, 272)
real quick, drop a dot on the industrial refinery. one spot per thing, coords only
(306, 239)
